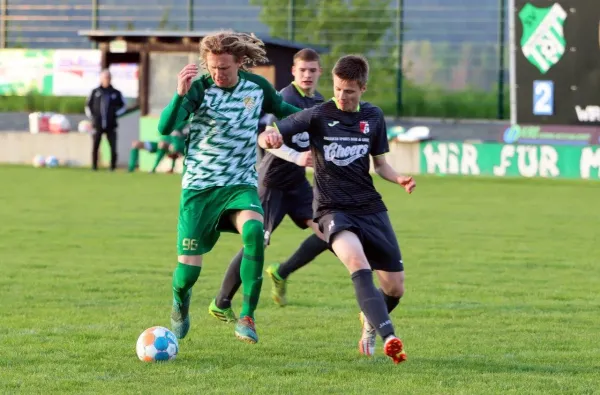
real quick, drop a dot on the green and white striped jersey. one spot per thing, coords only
(221, 146)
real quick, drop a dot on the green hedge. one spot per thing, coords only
(36, 102)
(418, 102)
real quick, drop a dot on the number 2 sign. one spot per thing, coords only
(543, 97)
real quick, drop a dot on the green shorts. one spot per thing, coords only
(204, 214)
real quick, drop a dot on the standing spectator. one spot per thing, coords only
(103, 106)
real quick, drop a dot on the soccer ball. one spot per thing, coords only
(157, 344)
(59, 124)
(39, 161)
(51, 161)
(85, 126)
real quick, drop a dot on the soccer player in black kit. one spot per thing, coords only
(343, 132)
(283, 190)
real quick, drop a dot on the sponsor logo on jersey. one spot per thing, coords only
(302, 140)
(364, 127)
(343, 156)
(248, 102)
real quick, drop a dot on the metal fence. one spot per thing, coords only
(451, 52)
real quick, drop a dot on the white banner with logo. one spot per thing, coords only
(77, 72)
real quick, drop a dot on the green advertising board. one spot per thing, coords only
(506, 160)
(23, 71)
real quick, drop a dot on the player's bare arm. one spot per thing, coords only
(302, 159)
(387, 172)
(305, 159)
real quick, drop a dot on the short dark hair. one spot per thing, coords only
(307, 55)
(352, 68)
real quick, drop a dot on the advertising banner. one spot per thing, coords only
(503, 160)
(557, 62)
(24, 70)
(494, 131)
(550, 134)
(462, 130)
(74, 72)
(61, 73)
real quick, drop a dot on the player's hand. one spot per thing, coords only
(270, 139)
(305, 159)
(408, 183)
(184, 78)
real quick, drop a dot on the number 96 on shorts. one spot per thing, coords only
(188, 244)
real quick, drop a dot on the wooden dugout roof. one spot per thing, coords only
(167, 40)
(135, 46)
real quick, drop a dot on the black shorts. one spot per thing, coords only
(277, 203)
(375, 233)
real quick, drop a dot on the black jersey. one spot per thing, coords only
(279, 173)
(341, 143)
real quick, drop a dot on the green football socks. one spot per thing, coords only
(160, 153)
(184, 278)
(252, 265)
(133, 158)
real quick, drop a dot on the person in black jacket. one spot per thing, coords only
(103, 106)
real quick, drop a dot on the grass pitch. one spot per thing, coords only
(502, 280)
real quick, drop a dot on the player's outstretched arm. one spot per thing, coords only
(387, 172)
(270, 138)
(379, 147)
(303, 159)
(183, 103)
(289, 127)
(286, 109)
(172, 115)
(274, 103)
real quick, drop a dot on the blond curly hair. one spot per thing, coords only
(245, 47)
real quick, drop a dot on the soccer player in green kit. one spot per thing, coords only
(172, 145)
(219, 184)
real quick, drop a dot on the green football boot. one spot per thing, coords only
(278, 285)
(180, 317)
(225, 315)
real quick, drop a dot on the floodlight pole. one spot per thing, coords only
(95, 20)
(512, 51)
(291, 22)
(399, 73)
(3, 24)
(190, 15)
(501, 49)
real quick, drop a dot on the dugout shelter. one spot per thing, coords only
(161, 54)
